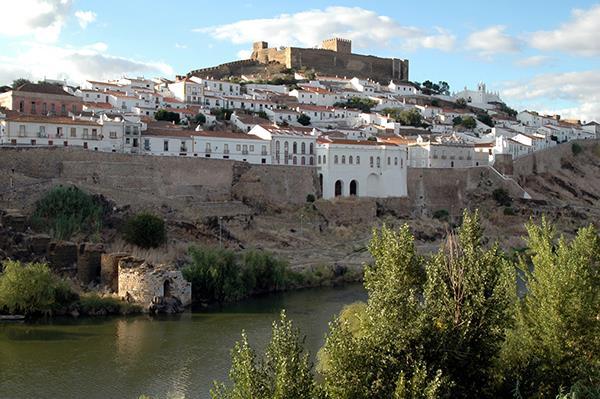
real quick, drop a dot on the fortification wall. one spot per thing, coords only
(191, 186)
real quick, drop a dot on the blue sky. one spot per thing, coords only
(542, 55)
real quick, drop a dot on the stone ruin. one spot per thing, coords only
(157, 288)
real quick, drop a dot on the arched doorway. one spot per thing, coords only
(353, 187)
(338, 188)
(167, 289)
(321, 183)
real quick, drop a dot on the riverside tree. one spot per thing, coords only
(423, 334)
(283, 372)
(555, 343)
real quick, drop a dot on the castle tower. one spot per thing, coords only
(338, 45)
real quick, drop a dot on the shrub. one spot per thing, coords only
(220, 275)
(199, 119)
(95, 305)
(441, 214)
(145, 230)
(508, 211)
(164, 115)
(65, 211)
(576, 149)
(310, 198)
(32, 289)
(502, 197)
(304, 120)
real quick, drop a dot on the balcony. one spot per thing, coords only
(42, 135)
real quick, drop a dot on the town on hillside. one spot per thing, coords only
(361, 133)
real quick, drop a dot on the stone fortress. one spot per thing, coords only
(335, 57)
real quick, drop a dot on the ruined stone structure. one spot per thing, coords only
(335, 57)
(109, 269)
(146, 284)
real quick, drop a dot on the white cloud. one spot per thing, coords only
(534, 61)
(580, 90)
(578, 36)
(180, 46)
(74, 64)
(85, 18)
(492, 40)
(365, 28)
(41, 19)
(244, 54)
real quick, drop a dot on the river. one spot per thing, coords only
(168, 357)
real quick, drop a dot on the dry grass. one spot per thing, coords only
(168, 253)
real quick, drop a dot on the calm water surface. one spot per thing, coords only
(171, 357)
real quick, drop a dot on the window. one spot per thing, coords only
(311, 149)
(225, 148)
(389, 161)
(73, 132)
(21, 106)
(59, 131)
(277, 147)
(33, 107)
(378, 162)
(251, 148)
(207, 148)
(52, 108)
(303, 148)
(318, 160)
(245, 149)
(311, 160)
(238, 147)
(263, 150)
(401, 162)
(371, 161)
(395, 160)
(94, 134)
(127, 129)
(343, 159)
(74, 108)
(147, 144)
(166, 145)
(63, 109)
(44, 108)
(85, 132)
(113, 135)
(335, 159)
(42, 131)
(295, 148)
(324, 160)
(303, 162)
(358, 160)
(295, 161)
(127, 140)
(183, 146)
(350, 160)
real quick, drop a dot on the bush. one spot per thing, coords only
(32, 289)
(502, 197)
(219, 275)
(163, 115)
(304, 120)
(145, 230)
(441, 214)
(576, 149)
(310, 198)
(65, 211)
(508, 211)
(95, 305)
(199, 119)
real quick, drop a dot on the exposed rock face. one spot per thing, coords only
(154, 287)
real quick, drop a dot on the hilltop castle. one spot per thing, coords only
(335, 57)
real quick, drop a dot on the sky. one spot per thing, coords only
(540, 55)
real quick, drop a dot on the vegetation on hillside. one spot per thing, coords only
(450, 325)
(145, 230)
(304, 119)
(429, 88)
(410, 117)
(66, 211)
(164, 115)
(362, 104)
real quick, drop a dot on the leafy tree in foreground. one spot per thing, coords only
(555, 343)
(304, 120)
(423, 334)
(283, 372)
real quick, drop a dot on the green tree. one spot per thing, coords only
(430, 328)
(461, 103)
(20, 82)
(284, 370)
(263, 114)
(32, 289)
(164, 115)
(304, 120)
(486, 119)
(145, 230)
(469, 122)
(555, 343)
(457, 121)
(199, 119)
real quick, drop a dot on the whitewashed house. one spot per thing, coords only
(221, 87)
(361, 168)
(230, 145)
(289, 145)
(188, 91)
(403, 88)
(441, 152)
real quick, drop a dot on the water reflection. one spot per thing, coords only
(172, 356)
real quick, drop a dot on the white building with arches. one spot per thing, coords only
(290, 145)
(361, 168)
